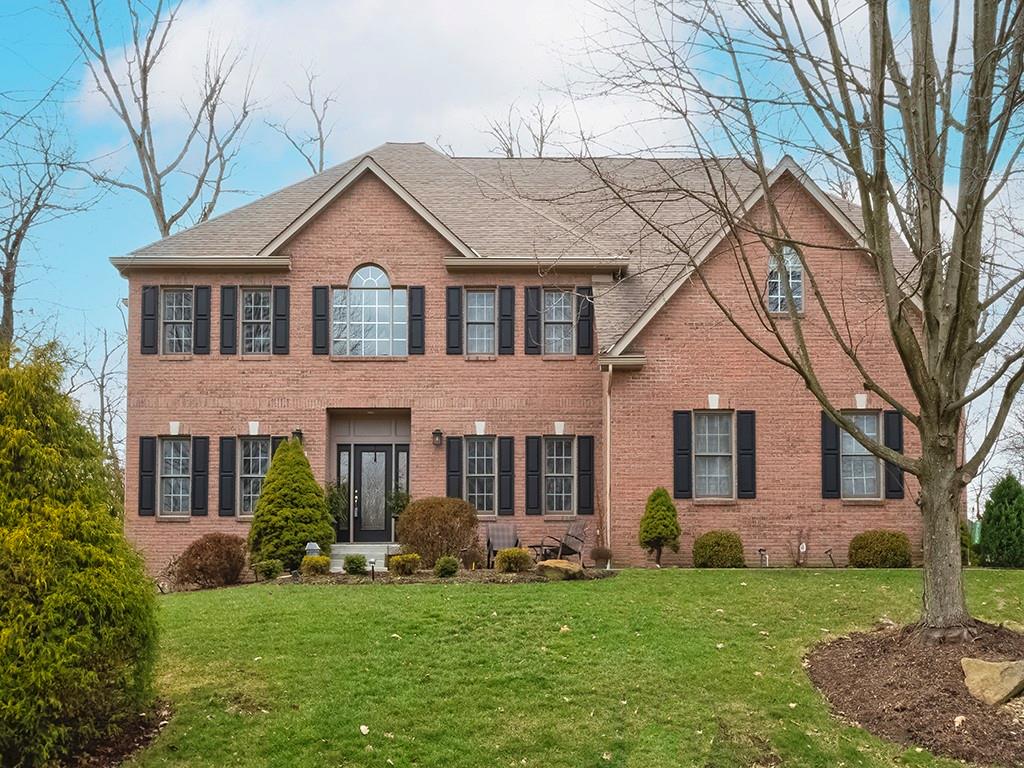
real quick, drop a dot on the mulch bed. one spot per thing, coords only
(479, 576)
(135, 737)
(902, 688)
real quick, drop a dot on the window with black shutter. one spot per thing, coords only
(281, 331)
(682, 453)
(453, 320)
(226, 478)
(453, 467)
(228, 319)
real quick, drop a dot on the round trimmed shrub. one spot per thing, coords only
(213, 560)
(513, 560)
(436, 526)
(267, 570)
(404, 565)
(77, 633)
(659, 527)
(718, 549)
(355, 565)
(291, 511)
(315, 565)
(880, 549)
(446, 567)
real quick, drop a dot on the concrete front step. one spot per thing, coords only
(370, 551)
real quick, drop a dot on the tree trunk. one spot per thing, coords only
(945, 607)
(7, 319)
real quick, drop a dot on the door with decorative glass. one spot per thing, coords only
(371, 484)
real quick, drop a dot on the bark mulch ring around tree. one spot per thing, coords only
(479, 576)
(899, 687)
(136, 736)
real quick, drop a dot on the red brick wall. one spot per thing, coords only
(216, 395)
(693, 351)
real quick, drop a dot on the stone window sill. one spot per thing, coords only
(254, 357)
(173, 518)
(548, 518)
(558, 357)
(481, 358)
(863, 502)
(715, 502)
(168, 356)
(368, 359)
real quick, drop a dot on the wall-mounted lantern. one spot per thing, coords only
(437, 434)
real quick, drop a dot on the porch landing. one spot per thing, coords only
(371, 551)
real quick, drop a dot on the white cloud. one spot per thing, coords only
(403, 71)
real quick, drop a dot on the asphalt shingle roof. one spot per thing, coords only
(542, 208)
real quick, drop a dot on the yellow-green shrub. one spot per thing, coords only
(77, 633)
(513, 560)
(404, 565)
(446, 567)
(880, 549)
(718, 549)
(315, 565)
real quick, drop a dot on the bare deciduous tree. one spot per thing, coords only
(35, 159)
(311, 143)
(539, 123)
(922, 108)
(187, 185)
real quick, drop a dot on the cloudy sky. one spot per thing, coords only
(405, 70)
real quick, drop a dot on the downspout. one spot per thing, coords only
(607, 392)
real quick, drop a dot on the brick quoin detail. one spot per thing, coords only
(691, 352)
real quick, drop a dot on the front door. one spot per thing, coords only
(371, 480)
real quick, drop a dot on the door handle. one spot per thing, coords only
(355, 503)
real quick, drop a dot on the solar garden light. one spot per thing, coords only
(312, 549)
(373, 568)
(829, 553)
(764, 557)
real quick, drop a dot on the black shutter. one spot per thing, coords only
(321, 320)
(507, 320)
(150, 325)
(453, 468)
(585, 475)
(226, 487)
(584, 321)
(746, 455)
(201, 320)
(894, 440)
(453, 320)
(829, 457)
(275, 441)
(682, 450)
(281, 331)
(506, 475)
(147, 476)
(531, 332)
(200, 474)
(228, 319)
(416, 314)
(533, 500)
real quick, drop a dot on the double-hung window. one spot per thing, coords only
(481, 468)
(256, 321)
(175, 476)
(713, 454)
(557, 322)
(861, 469)
(782, 267)
(254, 462)
(480, 322)
(176, 317)
(559, 475)
(369, 317)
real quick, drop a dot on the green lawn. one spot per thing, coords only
(652, 668)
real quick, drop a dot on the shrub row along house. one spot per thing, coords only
(503, 331)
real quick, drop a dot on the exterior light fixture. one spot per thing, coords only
(373, 568)
(297, 434)
(312, 549)
(437, 434)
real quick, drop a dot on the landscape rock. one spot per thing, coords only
(559, 570)
(993, 682)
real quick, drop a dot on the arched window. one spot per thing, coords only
(370, 318)
(781, 266)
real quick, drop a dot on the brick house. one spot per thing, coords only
(495, 329)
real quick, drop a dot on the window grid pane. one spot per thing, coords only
(558, 474)
(861, 470)
(370, 322)
(254, 464)
(480, 322)
(713, 460)
(558, 322)
(175, 476)
(791, 266)
(480, 473)
(256, 316)
(177, 321)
